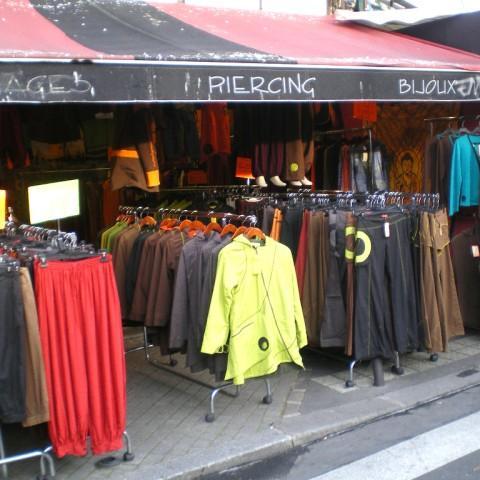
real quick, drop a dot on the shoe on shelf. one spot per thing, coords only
(305, 181)
(260, 181)
(277, 181)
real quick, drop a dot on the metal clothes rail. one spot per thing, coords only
(215, 389)
(146, 347)
(44, 454)
(461, 118)
(241, 188)
(375, 201)
(35, 171)
(184, 213)
(342, 131)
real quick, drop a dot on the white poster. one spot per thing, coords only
(53, 201)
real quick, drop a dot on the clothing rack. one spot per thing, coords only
(56, 237)
(343, 130)
(452, 117)
(44, 454)
(318, 134)
(226, 216)
(33, 171)
(301, 192)
(146, 347)
(380, 200)
(212, 188)
(462, 118)
(375, 201)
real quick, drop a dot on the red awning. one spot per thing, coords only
(114, 50)
(321, 40)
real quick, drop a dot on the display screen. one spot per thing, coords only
(53, 201)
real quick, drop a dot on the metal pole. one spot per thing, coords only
(2, 455)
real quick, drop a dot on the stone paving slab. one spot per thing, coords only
(172, 440)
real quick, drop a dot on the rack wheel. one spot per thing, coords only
(108, 462)
(434, 357)
(128, 457)
(209, 417)
(349, 384)
(267, 399)
(173, 362)
(397, 370)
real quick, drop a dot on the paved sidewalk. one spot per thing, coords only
(171, 439)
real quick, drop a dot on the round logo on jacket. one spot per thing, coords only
(263, 344)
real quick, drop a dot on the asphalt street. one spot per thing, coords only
(438, 441)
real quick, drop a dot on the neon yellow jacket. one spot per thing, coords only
(255, 312)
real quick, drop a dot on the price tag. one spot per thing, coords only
(386, 226)
(386, 229)
(475, 251)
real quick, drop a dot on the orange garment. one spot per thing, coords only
(277, 224)
(215, 125)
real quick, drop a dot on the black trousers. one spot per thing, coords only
(415, 239)
(386, 314)
(291, 226)
(12, 349)
(334, 326)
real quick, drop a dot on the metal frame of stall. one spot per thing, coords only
(323, 198)
(146, 347)
(45, 454)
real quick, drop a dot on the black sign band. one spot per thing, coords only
(157, 82)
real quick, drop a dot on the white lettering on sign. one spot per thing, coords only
(58, 84)
(246, 85)
(426, 87)
(465, 87)
(469, 86)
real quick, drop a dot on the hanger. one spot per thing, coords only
(254, 232)
(122, 218)
(185, 224)
(148, 221)
(213, 226)
(198, 225)
(166, 220)
(228, 228)
(476, 130)
(463, 128)
(240, 230)
(448, 131)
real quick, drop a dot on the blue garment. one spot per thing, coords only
(464, 173)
